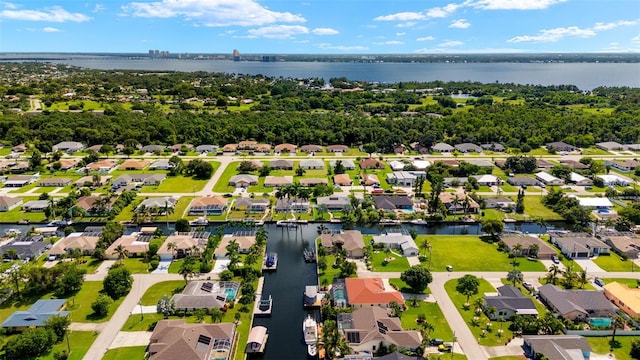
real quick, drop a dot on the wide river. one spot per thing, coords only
(585, 76)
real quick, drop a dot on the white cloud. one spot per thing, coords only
(513, 4)
(212, 13)
(98, 8)
(613, 25)
(50, 29)
(50, 14)
(460, 24)
(452, 43)
(402, 16)
(278, 32)
(390, 42)
(401, 34)
(552, 35)
(325, 31)
(426, 38)
(341, 47)
(406, 24)
(9, 5)
(440, 12)
(636, 39)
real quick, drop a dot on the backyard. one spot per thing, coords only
(600, 345)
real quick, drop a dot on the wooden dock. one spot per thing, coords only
(262, 307)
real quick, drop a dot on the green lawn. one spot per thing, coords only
(79, 342)
(80, 304)
(157, 291)
(136, 265)
(330, 273)
(403, 287)
(447, 356)
(434, 316)
(490, 338)
(396, 263)
(137, 323)
(177, 184)
(632, 283)
(600, 345)
(613, 262)
(222, 185)
(16, 214)
(534, 208)
(469, 253)
(508, 358)
(131, 352)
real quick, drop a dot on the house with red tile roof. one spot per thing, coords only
(369, 292)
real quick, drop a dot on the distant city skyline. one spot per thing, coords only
(321, 26)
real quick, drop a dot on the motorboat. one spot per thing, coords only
(310, 330)
(419, 222)
(272, 260)
(201, 221)
(12, 232)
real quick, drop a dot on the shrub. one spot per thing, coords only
(101, 305)
(226, 275)
(154, 264)
(205, 267)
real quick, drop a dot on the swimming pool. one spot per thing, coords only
(604, 211)
(230, 293)
(601, 322)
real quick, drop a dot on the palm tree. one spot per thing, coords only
(122, 252)
(517, 250)
(583, 278)
(515, 276)
(617, 323)
(172, 246)
(426, 329)
(216, 315)
(491, 311)
(533, 250)
(552, 276)
(167, 211)
(479, 304)
(187, 268)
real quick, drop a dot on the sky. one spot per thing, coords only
(320, 26)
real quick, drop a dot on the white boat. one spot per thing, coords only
(419, 222)
(287, 223)
(310, 329)
(312, 350)
(10, 232)
(201, 221)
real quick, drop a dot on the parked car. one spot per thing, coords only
(598, 281)
(528, 285)
(449, 268)
(555, 259)
(446, 347)
(436, 342)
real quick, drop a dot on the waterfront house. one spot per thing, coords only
(349, 240)
(243, 180)
(392, 203)
(67, 146)
(627, 299)
(206, 295)
(281, 165)
(208, 205)
(37, 315)
(278, 181)
(26, 247)
(158, 204)
(342, 180)
(333, 202)
(367, 328)
(528, 245)
(508, 302)
(251, 205)
(175, 339)
(578, 245)
(576, 305)
(136, 244)
(181, 244)
(502, 203)
(35, 206)
(296, 205)
(398, 241)
(370, 292)
(463, 205)
(244, 239)
(86, 203)
(86, 241)
(557, 347)
(8, 203)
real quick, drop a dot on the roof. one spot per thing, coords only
(342, 179)
(129, 242)
(511, 298)
(594, 202)
(350, 240)
(278, 180)
(281, 164)
(312, 163)
(204, 294)
(245, 201)
(559, 347)
(258, 335)
(337, 147)
(244, 239)
(466, 147)
(59, 181)
(311, 148)
(74, 241)
(244, 178)
(288, 147)
(159, 202)
(561, 146)
(333, 201)
(134, 164)
(347, 163)
(6, 201)
(612, 145)
(613, 178)
(209, 201)
(584, 301)
(37, 314)
(522, 180)
(26, 246)
(575, 177)
(391, 202)
(479, 162)
(546, 177)
(404, 241)
(373, 324)
(630, 297)
(371, 163)
(184, 241)
(370, 291)
(439, 147)
(624, 243)
(527, 241)
(313, 181)
(174, 339)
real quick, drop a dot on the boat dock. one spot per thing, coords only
(270, 262)
(262, 306)
(309, 255)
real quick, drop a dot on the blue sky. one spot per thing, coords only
(320, 26)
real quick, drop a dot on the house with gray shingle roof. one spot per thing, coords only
(557, 347)
(468, 147)
(576, 305)
(442, 148)
(37, 315)
(313, 164)
(67, 146)
(510, 301)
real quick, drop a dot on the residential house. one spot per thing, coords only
(178, 147)
(55, 182)
(285, 148)
(610, 146)
(369, 180)
(87, 203)
(347, 163)
(95, 148)
(158, 203)
(522, 181)
(292, 205)
(153, 148)
(17, 181)
(86, 241)
(243, 180)
(263, 148)
(502, 203)
(175, 339)
(575, 165)
(561, 146)
(207, 149)
(627, 244)
(230, 148)
(487, 180)
(333, 202)
(493, 147)
(162, 164)
(549, 179)
(67, 146)
(544, 164)
(251, 205)
(483, 164)
(8, 203)
(509, 301)
(633, 147)
(349, 240)
(313, 164)
(451, 162)
(342, 180)
(208, 205)
(181, 244)
(313, 181)
(627, 299)
(576, 305)
(278, 181)
(464, 203)
(65, 164)
(557, 347)
(26, 247)
(19, 149)
(396, 165)
(367, 328)
(371, 163)
(593, 202)
(468, 147)
(281, 165)
(37, 315)
(337, 148)
(578, 245)
(399, 149)
(244, 239)
(392, 203)
(454, 181)
(370, 292)
(35, 205)
(102, 166)
(402, 178)
(136, 245)
(398, 241)
(529, 246)
(442, 148)
(579, 180)
(247, 145)
(20, 167)
(206, 295)
(47, 231)
(134, 164)
(144, 179)
(623, 165)
(311, 149)
(614, 180)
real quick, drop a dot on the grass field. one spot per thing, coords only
(398, 264)
(632, 283)
(157, 291)
(16, 214)
(434, 316)
(490, 337)
(79, 342)
(469, 253)
(534, 208)
(600, 345)
(136, 265)
(613, 262)
(80, 304)
(403, 287)
(326, 278)
(222, 186)
(132, 352)
(176, 184)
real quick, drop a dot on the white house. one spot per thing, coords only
(398, 241)
(611, 180)
(487, 179)
(549, 179)
(580, 180)
(396, 165)
(421, 164)
(594, 202)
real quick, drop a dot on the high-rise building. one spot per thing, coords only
(236, 55)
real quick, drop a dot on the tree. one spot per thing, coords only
(616, 323)
(216, 315)
(122, 252)
(520, 202)
(187, 268)
(112, 231)
(300, 171)
(492, 227)
(182, 225)
(118, 282)
(515, 276)
(35, 160)
(176, 165)
(339, 168)
(101, 305)
(33, 342)
(200, 169)
(370, 148)
(468, 286)
(396, 309)
(583, 278)
(348, 269)
(246, 166)
(166, 306)
(635, 349)
(59, 325)
(552, 275)
(417, 277)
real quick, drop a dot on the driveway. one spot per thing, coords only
(163, 267)
(131, 338)
(589, 266)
